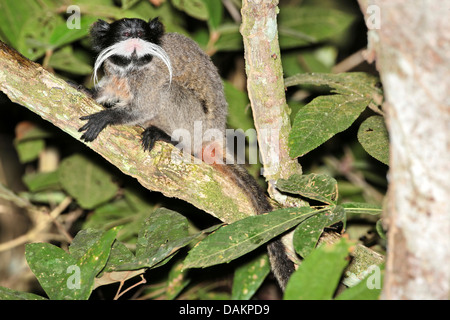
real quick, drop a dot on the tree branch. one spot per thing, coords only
(265, 85)
(266, 91)
(29, 84)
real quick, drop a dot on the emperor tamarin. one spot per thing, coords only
(165, 82)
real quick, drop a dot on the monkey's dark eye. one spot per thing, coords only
(126, 34)
(140, 34)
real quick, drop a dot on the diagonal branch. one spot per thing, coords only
(164, 169)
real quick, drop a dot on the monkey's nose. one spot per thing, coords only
(133, 45)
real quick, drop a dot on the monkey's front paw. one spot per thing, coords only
(96, 123)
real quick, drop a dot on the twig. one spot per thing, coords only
(40, 218)
(349, 62)
(8, 195)
(56, 212)
(345, 167)
(232, 10)
(119, 294)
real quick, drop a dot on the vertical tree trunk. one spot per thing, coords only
(265, 87)
(410, 41)
(266, 91)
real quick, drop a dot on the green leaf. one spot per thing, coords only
(42, 181)
(357, 83)
(126, 4)
(177, 281)
(66, 276)
(83, 241)
(26, 25)
(12, 14)
(308, 232)
(328, 115)
(30, 142)
(29, 150)
(321, 119)
(315, 186)
(66, 60)
(194, 8)
(129, 212)
(9, 294)
(87, 238)
(321, 59)
(63, 35)
(88, 182)
(116, 212)
(119, 255)
(215, 12)
(360, 292)
(243, 236)
(48, 197)
(318, 275)
(162, 227)
(304, 25)
(361, 208)
(163, 233)
(101, 9)
(374, 138)
(230, 38)
(380, 229)
(95, 258)
(249, 277)
(50, 265)
(239, 115)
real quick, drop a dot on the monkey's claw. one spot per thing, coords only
(153, 134)
(96, 123)
(148, 139)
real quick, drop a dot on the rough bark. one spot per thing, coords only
(163, 170)
(266, 91)
(411, 45)
(265, 85)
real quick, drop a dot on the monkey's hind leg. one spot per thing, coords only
(153, 134)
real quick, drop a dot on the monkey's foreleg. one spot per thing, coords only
(100, 120)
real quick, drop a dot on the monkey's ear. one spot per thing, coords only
(156, 26)
(99, 30)
(100, 27)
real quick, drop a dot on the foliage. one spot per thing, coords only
(127, 232)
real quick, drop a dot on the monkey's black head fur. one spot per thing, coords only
(104, 34)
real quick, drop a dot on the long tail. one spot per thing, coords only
(282, 266)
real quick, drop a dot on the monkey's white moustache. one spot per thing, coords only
(127, 47)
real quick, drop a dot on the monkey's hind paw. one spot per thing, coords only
(153, 134)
